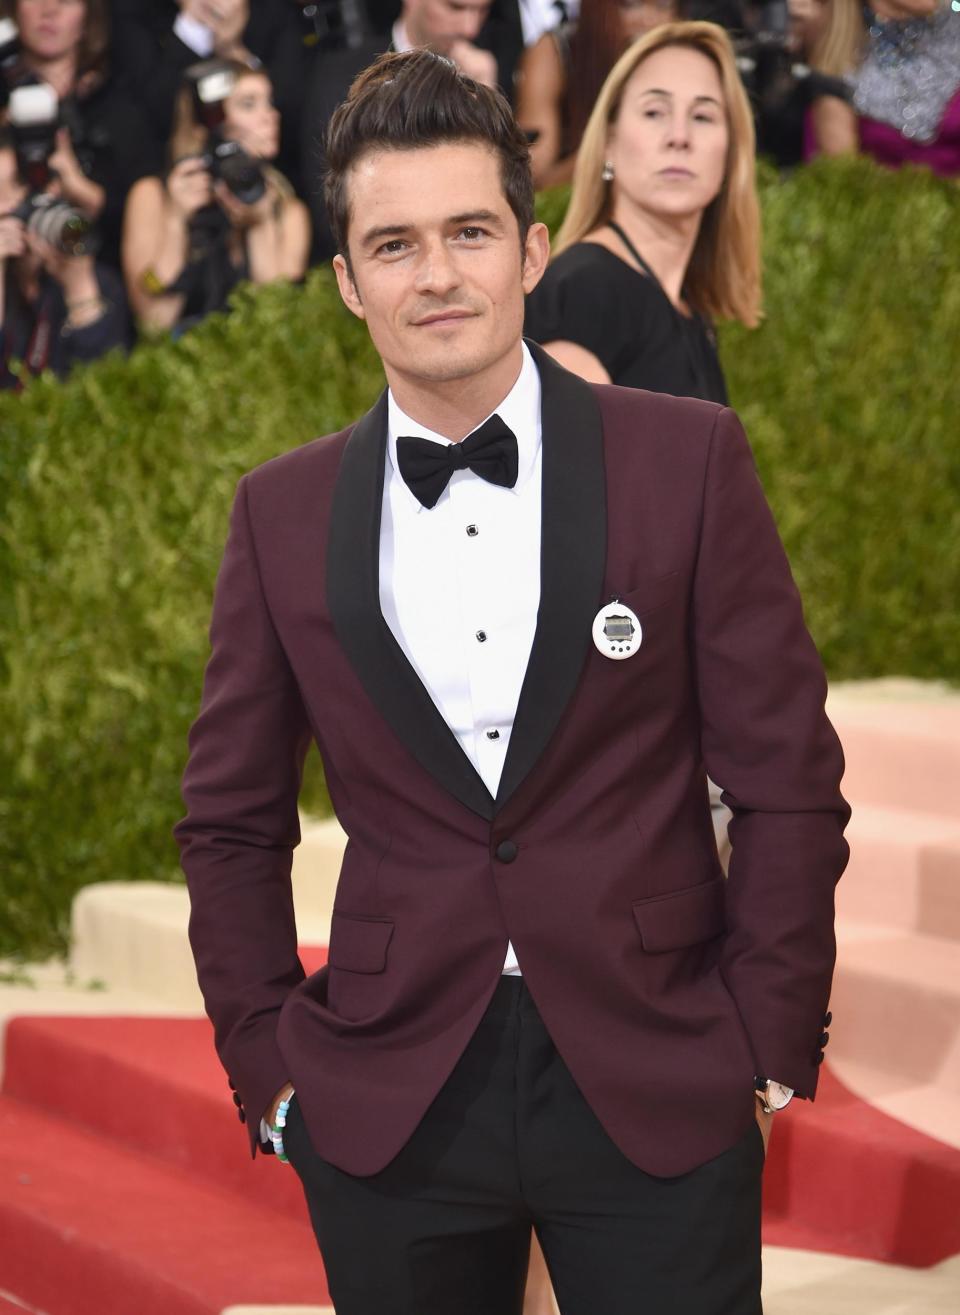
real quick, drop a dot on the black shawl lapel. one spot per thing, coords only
(573, 551)
(353, 596)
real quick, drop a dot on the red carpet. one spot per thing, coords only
(88, 1228)
(126, 1185)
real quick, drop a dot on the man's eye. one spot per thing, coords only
(392, 248)
(472, 233)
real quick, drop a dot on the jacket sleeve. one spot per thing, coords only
(768, 744)
(240, 788)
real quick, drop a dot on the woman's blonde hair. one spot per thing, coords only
(838, 48)
(189, 136)
(723, 278)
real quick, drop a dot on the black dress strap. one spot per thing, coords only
(636, 254)
(699, 375)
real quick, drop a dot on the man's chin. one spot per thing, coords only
(446, 362)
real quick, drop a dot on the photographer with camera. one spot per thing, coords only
(223, 214)
(58, 307)
(98, 141)
(156, 41)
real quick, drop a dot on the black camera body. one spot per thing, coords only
(243, 175)
(211, 82)
(769, 66)
(58, 223)
(34, 118)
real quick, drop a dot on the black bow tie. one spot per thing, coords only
(490, 452)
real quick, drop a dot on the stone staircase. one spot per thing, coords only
(126, 1187)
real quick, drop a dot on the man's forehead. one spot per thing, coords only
(426, 174)
(387, 189)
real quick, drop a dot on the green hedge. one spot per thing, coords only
(115, 491)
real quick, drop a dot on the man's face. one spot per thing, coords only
(440, 23)
(438, 272)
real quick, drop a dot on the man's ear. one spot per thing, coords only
(348, 289)
(536, 254)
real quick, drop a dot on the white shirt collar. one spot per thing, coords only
(520, 409)
(401, 42)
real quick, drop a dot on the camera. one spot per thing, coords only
(60, 224)
(769, 66)
(34, 117)
(211, 82)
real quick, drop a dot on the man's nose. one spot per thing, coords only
(437, 270)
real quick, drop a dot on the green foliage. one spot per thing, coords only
(114, 497)
(115, 490)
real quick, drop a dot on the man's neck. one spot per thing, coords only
(60, 73)
(665, 242)
(455, 407)
(408, 26)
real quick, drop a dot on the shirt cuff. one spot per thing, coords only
(196, 35)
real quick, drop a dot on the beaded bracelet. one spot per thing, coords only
(279, 1123)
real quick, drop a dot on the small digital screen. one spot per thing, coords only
(618, 628)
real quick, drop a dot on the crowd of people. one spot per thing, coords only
(156, 153)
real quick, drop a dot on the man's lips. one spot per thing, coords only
(443, 317)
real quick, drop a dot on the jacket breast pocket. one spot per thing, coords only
(359, 945)
(646, 596)
(681, 918)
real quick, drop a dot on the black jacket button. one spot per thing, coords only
(819, 1056)
(243, 1118)
(506, 851)
(827, 1019)
(824, 1038)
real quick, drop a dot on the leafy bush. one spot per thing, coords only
(115, 490)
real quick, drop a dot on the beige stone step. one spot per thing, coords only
(277, 1310)
(901, 740)
(53, 988)
(815, 1283)
(804, 1282)
(133, 935)
(896, 1015)
(904, 871)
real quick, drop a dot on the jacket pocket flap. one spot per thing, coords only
(647, 596)
(359, 945)
(681, 917)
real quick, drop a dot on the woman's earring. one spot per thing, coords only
(607, 174)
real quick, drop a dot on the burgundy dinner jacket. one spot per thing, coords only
(664, 985)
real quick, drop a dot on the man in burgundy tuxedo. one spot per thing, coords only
(523, 617)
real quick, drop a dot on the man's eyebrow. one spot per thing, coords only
(386, 231)
(659, 91)
(477, 216)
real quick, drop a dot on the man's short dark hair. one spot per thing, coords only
(415, 99)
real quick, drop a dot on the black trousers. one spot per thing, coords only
(510, 1144)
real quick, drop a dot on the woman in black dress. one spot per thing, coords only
(662, 234)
